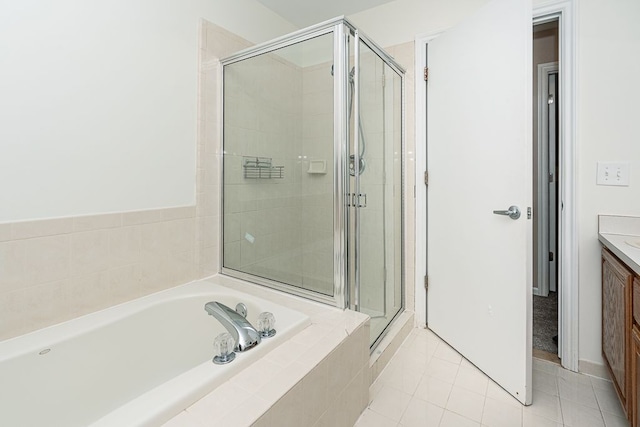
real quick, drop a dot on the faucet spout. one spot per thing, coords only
(245, 335)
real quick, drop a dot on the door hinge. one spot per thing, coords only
(426, 282)
(426, 74)
(550, 256)
(426, 178)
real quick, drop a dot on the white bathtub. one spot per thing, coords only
(136, 364)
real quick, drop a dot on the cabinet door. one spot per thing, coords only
(635, 378)
(616, 322)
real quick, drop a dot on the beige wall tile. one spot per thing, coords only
(124, 283)
(153, 240)
(211, 261)
(5, 232)
(181, 267)
(210, 202)
(89, 252)
(96, 222)
(13, 314)
(40, 228)
(180, 235)
(47, 259)
(141, 217)
(315, 389)
(12, 265)
(88, 293)
(45, 304)
(210, 231)
(154, 274)
(178, 213)
(124, 245)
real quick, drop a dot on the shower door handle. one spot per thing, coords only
(513, 212)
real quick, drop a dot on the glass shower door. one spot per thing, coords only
(376, 169)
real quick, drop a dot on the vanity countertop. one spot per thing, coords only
(621, 235)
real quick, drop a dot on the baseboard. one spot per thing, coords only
(593, 369)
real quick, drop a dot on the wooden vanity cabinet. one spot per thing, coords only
(617, 284)
(635, 356)
(635, 377)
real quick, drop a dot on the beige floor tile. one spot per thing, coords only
(451, 419)
(370, 418)
(499, 414)
(608, 401)
(545, 382)
(472, 379)
(580, 393)
(421, 414)
(442, 370)
(466, 403)
(577, 415)
(426, 375)
(446, 352)
(433, 390)
(531, 420)
(545, 405)
(611, 420)
(390, 402)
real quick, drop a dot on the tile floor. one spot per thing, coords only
(427, 383)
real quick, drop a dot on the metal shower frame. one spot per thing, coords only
(341, 29)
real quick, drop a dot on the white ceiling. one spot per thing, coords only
(304, 13)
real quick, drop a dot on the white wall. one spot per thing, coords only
(608, 93)
(98, 101)
(608, 41)
(399, 21)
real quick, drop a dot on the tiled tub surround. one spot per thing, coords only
(139, 363)
(319, 377)
(54, 270)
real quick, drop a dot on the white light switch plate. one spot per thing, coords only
(613, 173)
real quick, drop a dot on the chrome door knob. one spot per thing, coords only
(513, 212)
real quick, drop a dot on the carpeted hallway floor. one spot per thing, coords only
(545, 322)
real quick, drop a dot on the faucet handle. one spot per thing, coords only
(266, 321)
(224, 344)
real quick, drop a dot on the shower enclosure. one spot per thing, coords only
(313, 169)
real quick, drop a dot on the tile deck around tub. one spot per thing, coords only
(428, 384)
(260, 393)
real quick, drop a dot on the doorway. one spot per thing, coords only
(562, 11)
(546, 170)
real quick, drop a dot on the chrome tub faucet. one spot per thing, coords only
(244, 334)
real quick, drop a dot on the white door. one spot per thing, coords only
(479, 160)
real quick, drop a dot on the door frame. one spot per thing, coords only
(564, 12)
(544, 219)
